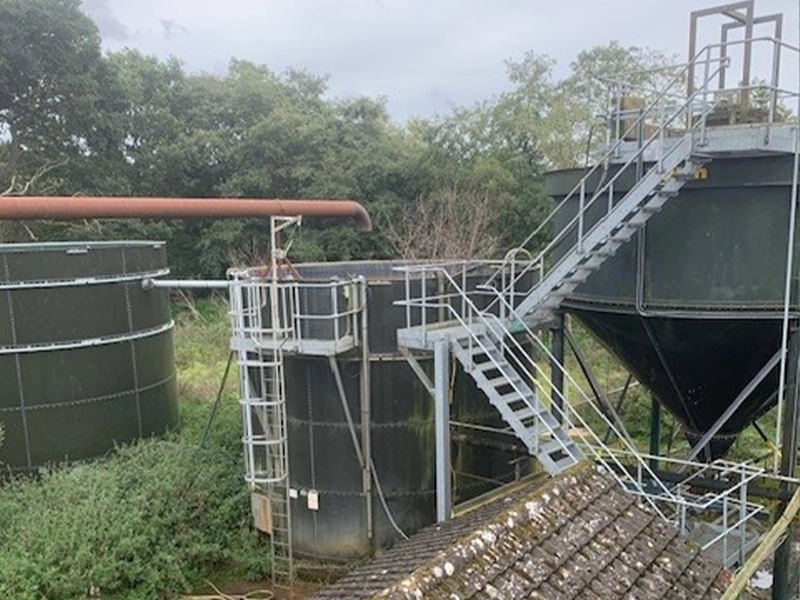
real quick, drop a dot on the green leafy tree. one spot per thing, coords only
(49, 63)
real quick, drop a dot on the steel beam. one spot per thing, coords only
(734, 406)
(556, 366)
(441, 379)
(606, 406)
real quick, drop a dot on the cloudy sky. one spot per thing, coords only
(424, 56)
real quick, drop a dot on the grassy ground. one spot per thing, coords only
(152, 519)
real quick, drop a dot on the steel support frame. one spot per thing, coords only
(731, 11)
(441, 379)
(606, 405)
(439, 389)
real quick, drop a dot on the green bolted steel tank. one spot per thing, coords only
(86, 355)
(322, 459)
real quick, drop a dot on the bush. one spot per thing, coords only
(151, 519)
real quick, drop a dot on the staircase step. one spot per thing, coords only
(497, 382)
(566, 462)
(527, 413)
(488, 366)
(515, 397)
(558, 445)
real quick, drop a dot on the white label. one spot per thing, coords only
(313, 500)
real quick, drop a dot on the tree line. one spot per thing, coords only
(77, 121)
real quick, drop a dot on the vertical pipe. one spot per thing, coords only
(787, 291)
(556, 362)
(723, 55)
(748, 56)
(441, 368)
(783, 566)
(366, 408)
(780, 586)
(692, 49)
(704, 88)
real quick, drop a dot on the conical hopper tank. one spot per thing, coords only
(693, 303)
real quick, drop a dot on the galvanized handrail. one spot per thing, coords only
(290, 315)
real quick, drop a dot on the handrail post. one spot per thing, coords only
(581, 205)
(617, 118)
(704, 111)
(661, 134)
(773, 99)
(424, 306)
(463, 288)
(504, 275)
(743, 518)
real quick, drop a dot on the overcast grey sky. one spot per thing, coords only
(424, 56)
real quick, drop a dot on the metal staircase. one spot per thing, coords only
(517, 402)
(592, 222)
(591, 248)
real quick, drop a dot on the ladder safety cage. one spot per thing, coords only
(310, 317)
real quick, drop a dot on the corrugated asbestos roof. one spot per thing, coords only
(577, 537)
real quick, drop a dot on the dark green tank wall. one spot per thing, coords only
(321, 454)
(86, 355)
(692, 304)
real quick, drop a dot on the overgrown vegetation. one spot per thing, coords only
(154, 517)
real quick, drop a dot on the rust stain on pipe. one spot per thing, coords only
(72, 208)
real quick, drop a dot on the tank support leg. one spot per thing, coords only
(655, 432)
(556, 373)
(783, 564)
(441, 380)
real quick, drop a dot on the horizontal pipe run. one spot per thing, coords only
(186, 284)
(73, 208)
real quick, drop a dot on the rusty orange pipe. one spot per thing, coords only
(71, 208)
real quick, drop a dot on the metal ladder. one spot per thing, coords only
(517, 402)
(266, 451)
(263, 401)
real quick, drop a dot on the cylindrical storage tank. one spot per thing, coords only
(322, 458)
(86, 355)
(692, 304)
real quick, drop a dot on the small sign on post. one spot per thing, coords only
(262, 512)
